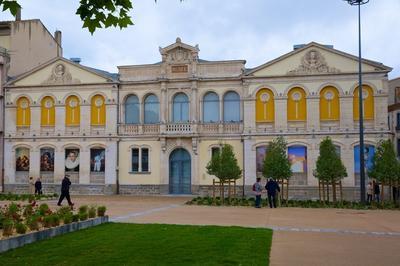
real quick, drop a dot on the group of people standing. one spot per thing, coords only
(373, 192)
(35, 187)
(272, 189)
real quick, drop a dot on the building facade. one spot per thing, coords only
(162, 122)
(394, 112)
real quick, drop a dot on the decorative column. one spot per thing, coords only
(60, 119)
(193, 103)
(281, 113)
(59, 164)
(313, 113)
(9, 163)
(346, 112)
(164, 103)
(111, 164)
(35, 120)
(84, 166)
(111, 118)
(34, 163)
(381, 112)
(249, 121)
(85, 119)
(249, 162)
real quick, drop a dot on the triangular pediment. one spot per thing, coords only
(179, 52)
(315, 59)
(59, 71)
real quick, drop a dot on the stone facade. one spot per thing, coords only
(165, 120)
(394, 112)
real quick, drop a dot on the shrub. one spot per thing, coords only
(28, 210)
(83, 216)
(13, 211)
(20, 228)
(63, 211)
(83, 209)
(92, 212)
(101, 211)
(33, 222)
(75, 218)
(47, 221)
(43, 209)
(55, 220)
(67, 218)
(8, 226)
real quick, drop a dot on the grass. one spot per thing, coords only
(148, 244)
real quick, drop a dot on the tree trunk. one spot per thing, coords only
(223, 192)
(327, 192)
(334, 191)
(382, 193)
(323, 191)
(213, 189)
(229, 190)
(341, 190)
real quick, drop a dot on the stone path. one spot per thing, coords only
(301, 236)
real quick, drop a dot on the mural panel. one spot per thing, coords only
(369, 151)
(261, 151)
(47, 160)
(97, 160)
(298, 159)
(22, 159)
(72, 160)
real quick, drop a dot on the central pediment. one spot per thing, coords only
(179, 53)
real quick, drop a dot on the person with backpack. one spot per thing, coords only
(257, 190)
(272, 188)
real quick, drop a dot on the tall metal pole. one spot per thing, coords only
(361, 117)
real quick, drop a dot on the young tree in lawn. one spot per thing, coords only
(224, 166)
(385, 167)
(276, 162)
(330, 167)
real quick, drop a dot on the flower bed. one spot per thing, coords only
(18, 219)
(24, 197)
(209, 201)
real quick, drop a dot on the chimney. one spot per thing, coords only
(57, 36)
(18, 15)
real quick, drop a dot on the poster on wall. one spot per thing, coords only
(369, 151)
(261, 151)
(298, 159)
(47, 160)
(97, 160)
(22, 159)
(72, 160)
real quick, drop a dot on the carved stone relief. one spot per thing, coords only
(60, 75)
(313, 62)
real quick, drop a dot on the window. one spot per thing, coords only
(368, 103)
(140, 160)
(23, 112)
(73, 113)
(98, 111)
(151, 109)
(398, 147)
(48, 112)
(215, 150)
(231, 107)
(398, 121)
(132, 110)
(329, 106)
(180, 108)
(211, 107)
(265, 106)
(296, 105)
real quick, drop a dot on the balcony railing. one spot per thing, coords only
(179, 128)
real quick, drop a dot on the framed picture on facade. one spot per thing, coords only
(97, 160)
(47, 160)
(298, 159)
(369, 152)
(22, 159)
(261, 151)
(72, 160)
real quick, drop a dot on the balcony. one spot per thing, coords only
(139, 129)
(179, 128)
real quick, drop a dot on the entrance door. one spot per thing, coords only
(179, 172)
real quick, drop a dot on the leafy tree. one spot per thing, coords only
(276, 162)
(95, 14)
(330, 167)
(224, 166)
(386, 167)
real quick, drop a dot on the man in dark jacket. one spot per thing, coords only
(272, 187)
(65, 191)
(38, 187)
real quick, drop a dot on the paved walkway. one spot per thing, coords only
(301, 236)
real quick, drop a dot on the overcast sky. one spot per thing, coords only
(254, 30)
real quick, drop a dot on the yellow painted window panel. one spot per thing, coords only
(72, 111)
(265, 106)
(297, 105)
(329, 104)
(98, 111)
(48, 112)
(369, 105)
(23, 112)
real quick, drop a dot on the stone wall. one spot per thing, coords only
(81, 189)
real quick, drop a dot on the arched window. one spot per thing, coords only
(231, 107)
(180, 108)
(98, 111)
(48, 112)
(73, 111)
(296, 105)
(329, 105)
(132, 110)
(23, 112)
(211, 107)
(265, 108)
(151, 109)
(368, 103)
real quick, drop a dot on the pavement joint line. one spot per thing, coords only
(331, 230)
(142, 213)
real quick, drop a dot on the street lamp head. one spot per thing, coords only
(356, 2)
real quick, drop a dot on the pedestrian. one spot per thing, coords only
(272, 188)
(65, 184)
(370, 192)
(257, 189)
(31, 186)
(38, 186)
(377, 192)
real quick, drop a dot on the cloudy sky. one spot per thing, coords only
(254, 30)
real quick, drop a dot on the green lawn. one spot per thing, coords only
(148, 244)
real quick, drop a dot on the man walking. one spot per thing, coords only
(65, 184)
(257, 189)
(272, 187)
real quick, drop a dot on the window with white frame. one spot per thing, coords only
(140, 160)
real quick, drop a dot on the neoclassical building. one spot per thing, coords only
(153, 129)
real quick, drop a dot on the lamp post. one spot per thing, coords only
(360, 100)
